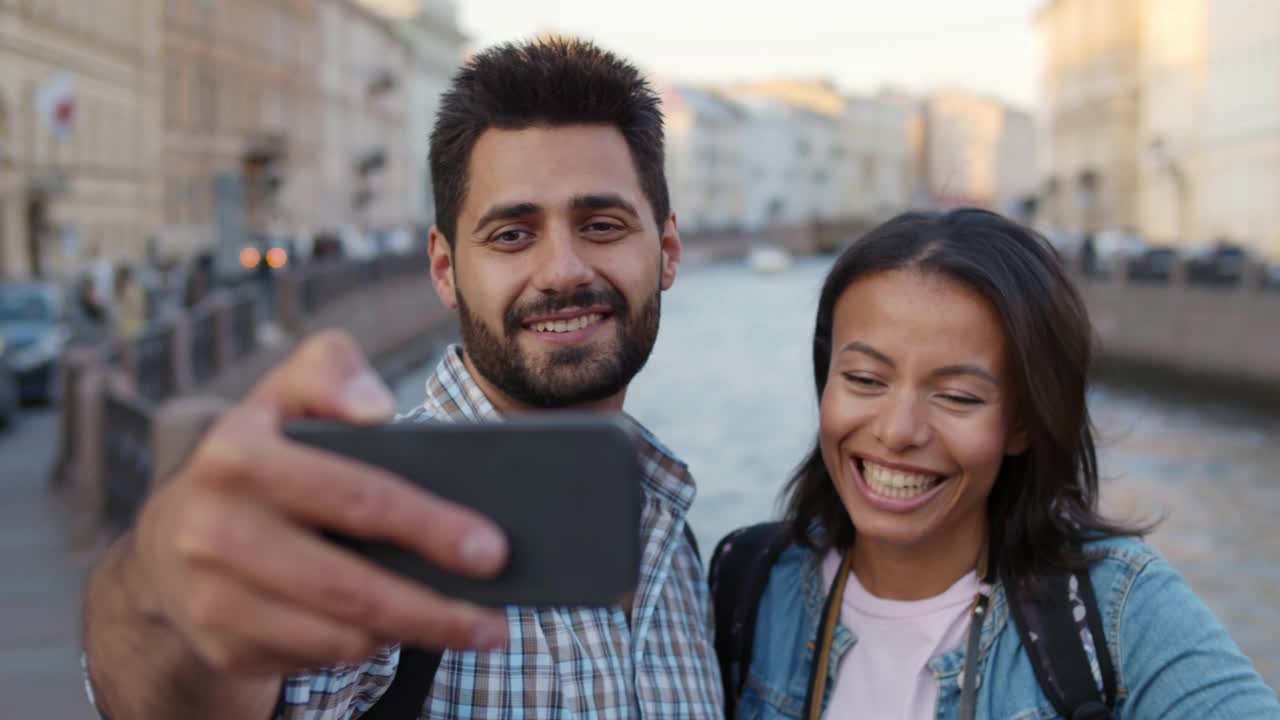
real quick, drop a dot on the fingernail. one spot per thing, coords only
(482, 549)
(367, 399)
(491, 634)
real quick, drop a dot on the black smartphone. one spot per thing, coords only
(566, 489)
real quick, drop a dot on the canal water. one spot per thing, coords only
(729, 389)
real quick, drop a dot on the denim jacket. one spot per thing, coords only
(1172, 658)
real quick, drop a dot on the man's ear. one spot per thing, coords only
(671, 251)
(442, 269)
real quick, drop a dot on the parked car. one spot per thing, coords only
(1220, 264)
(1114, 248)
(1153, 265)
(8, 391)
(33, 325)
(1271, 277)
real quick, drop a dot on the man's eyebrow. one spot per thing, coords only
(602, 201)
(507, 212)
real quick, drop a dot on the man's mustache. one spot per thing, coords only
(584, 298)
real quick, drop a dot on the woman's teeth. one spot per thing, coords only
(895, 483)
(561, 326)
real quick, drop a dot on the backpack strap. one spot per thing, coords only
(1060, 626)
(408, 691)
(740, 569)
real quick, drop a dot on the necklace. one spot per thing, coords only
(814, 697)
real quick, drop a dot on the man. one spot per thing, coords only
(554, 242)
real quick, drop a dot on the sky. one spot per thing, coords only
(861, 45)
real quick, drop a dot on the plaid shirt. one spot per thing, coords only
(562, 663)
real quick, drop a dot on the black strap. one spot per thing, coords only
(1105, 665)
(1047, 626)
(693, 542)
(740, 568)
(407, 693)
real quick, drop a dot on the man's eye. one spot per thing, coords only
(509, 237)
(603, 227)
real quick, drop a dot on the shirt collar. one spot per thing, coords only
(454, 395)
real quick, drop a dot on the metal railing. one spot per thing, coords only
(204, 344)
(113, 392)
(126, 456)
(155, 371)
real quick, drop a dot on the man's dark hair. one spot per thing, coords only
(552, 83)
(1044, 504)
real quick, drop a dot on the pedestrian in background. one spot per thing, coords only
(129, 315)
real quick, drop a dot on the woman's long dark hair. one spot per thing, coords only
(1044, 503)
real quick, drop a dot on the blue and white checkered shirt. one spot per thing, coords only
(585, 663)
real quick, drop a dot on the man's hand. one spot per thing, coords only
(227, 559)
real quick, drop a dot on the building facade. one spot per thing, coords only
(240, 117)
(1164, 119)
(76, 115)
(877, 171)
(977, 151)
(430, 29)
(1090, 81)
(1241, 155)
(364, 87)
(704, 159)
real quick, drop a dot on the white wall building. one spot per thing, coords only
(877, 180)
(775, 167)
(704, 158)
(430, 28)
(365, 100)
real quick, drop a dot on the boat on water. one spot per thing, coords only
(768, 259)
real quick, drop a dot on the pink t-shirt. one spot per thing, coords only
(885, 675)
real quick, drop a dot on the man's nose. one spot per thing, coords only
(561, 267)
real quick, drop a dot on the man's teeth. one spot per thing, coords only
(895, 483)
(562, 326)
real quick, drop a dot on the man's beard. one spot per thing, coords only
(568, 376)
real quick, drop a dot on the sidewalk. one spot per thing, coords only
(40, 580)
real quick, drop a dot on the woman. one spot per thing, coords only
(951, 493)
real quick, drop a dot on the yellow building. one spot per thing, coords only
(76, 127)
(1163, 117)
(240, 112)
(977, 151)
(1091, 79)
(1241, 159)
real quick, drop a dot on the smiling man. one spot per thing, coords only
(554, 242)
(556, 261)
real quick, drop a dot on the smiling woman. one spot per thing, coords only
(946, 520)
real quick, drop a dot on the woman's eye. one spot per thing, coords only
(862, 380)
(961, 399)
